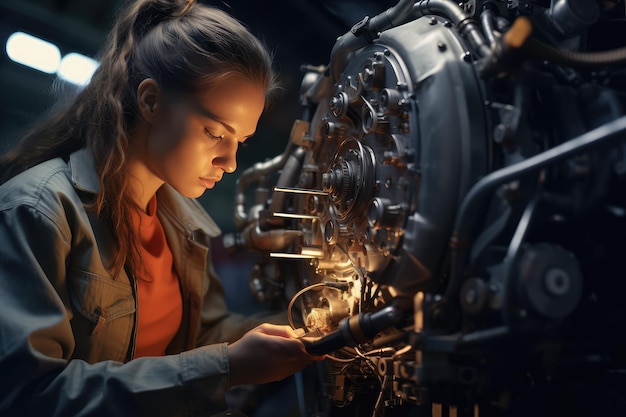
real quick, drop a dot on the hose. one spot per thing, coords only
(541, 51)
(354, 330)
(251, 175)
(488, 22)
(362, 34)
(474, 203)
(467, 26)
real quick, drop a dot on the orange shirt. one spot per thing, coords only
(159, 299)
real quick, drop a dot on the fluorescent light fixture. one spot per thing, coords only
(77, 69)
(33, 52)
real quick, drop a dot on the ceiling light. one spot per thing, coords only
(77, 69)
(33, 52)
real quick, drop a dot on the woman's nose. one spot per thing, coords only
(226, 158)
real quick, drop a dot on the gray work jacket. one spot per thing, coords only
(67, 326)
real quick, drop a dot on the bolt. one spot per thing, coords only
(556, 282)
(471, 296)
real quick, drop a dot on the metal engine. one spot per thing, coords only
(448, 218)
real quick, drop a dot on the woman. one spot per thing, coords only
(108, 302)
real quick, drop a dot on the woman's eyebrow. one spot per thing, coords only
(206, 113)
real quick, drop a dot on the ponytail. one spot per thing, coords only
(183, 45)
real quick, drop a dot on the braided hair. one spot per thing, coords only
(183, 45)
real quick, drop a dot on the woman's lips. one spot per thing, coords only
(208, 182)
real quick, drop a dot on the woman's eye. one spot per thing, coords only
(212, 136)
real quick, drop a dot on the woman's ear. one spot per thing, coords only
(148, 96)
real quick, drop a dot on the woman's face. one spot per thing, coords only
(193, 141)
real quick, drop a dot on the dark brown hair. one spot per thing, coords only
(185, 47)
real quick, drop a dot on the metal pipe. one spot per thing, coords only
(256, 173)
(249, 176)
(477, 198)
(468, 27)
(362, 34)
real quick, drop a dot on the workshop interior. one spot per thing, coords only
(439, 195)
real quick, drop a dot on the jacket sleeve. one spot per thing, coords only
(37, 372)
(218, 324)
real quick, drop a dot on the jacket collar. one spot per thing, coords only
(187, 213)
(83, 172)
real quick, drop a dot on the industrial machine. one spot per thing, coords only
(448, 219)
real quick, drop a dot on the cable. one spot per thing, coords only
(295, 297)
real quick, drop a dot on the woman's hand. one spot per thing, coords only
(267, 353)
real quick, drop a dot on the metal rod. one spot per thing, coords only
(299, 191)
(291, 255)
(295, 216)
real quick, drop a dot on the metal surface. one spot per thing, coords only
(472, 154)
